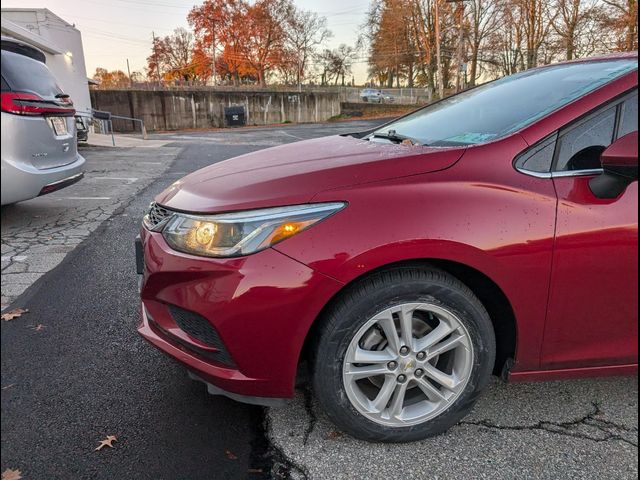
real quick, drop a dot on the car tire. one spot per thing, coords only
(442, 300)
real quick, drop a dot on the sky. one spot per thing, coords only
(116, 30)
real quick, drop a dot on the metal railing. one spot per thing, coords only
(143, 130)
(104, 123)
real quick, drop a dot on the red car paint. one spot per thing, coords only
(566, 261)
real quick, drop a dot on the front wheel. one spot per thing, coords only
(403, 355)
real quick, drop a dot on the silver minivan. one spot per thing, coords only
(39, 151)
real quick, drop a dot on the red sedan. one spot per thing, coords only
(495, 231)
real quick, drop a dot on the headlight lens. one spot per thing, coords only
(242, 233)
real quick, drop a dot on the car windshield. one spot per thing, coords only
(506, 105)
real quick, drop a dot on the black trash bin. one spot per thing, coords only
(235, 116)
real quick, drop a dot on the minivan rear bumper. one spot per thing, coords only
(21, 181)
(60, 184)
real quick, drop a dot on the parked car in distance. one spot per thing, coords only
(376, 96)
(493, 232)
(39, 151)
(82, 132)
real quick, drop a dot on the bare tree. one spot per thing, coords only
(484, 19)
(572, 24)
(171, 56)
(304, 33)
(624, 19)
(337, 63)
(504, 52)
(537, 19)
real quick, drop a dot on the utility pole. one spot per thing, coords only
(460, 64)
(460, 82)
(155, 55)
(129, 72)
(438, 55)
(213, 53)
(460, 12)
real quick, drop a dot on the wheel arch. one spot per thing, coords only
(486, 289)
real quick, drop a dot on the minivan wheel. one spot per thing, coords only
(403, 355)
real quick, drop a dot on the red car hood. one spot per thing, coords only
(294, 173)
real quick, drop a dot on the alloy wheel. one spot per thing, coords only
(408, 364)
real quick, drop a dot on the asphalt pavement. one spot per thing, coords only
(38, 234)
(74, 370)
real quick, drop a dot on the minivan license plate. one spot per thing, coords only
(59, 125)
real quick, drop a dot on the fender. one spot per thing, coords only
(480, 213)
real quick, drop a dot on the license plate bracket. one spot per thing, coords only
(59, 125)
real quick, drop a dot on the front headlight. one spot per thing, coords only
(242, 233)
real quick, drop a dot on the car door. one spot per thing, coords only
(592, 317)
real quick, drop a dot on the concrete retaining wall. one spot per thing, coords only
(177, 110)
(353, 109)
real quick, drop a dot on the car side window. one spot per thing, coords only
(580, 147)
(539, 158)
(629, 115)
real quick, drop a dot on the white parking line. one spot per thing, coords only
(127, 179)
(290, 135)
(86, 198)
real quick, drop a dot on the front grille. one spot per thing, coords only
(199, 328)
(155, 216)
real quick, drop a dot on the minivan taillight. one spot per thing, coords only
(20, 103)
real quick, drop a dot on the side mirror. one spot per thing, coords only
(620, 167)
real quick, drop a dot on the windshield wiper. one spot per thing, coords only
(396, 137)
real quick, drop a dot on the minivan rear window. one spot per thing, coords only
(24, 74)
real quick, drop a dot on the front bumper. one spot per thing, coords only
(259, 309)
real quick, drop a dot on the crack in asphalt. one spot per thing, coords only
(282, 466)
(308, 406)
(606, 427)
(34, 237)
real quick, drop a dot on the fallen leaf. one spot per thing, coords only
(8, 386)
(15, 313)
(10, 474)
(38, 328)
(333, 435)
(107, 442)
(231, 455)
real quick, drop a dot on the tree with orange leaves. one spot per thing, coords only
(111, 79)
(172, 57)
(255, 39)
(264, 35)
